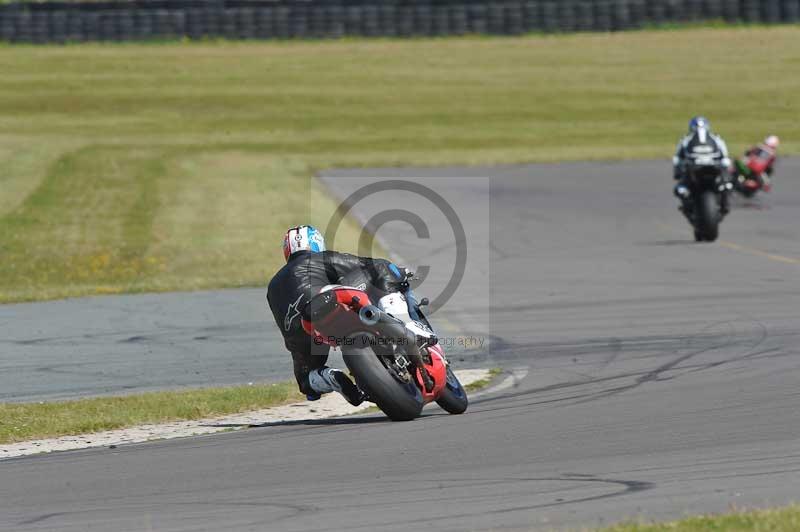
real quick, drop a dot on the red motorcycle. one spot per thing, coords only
(396, 369)
(751, 175)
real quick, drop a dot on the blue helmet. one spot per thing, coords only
(302, 238)
(697, 122)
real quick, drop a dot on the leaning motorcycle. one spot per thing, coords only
(750, 173)
(708, 186)
(397, 369)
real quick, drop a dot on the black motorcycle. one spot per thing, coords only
(709, 187)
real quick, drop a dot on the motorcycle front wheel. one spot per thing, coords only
(453, 398)
(400, 401)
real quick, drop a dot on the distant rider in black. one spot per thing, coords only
(309, 269)
(699, 133)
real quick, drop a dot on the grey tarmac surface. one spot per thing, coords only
(662, 380)
(135, 343)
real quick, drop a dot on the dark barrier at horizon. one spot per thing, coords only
(58, 22)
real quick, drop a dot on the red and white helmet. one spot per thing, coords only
(772, 141)
(302, 238)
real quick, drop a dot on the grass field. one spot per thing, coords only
(178, 166)
(774, 520)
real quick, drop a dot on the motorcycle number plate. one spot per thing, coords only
(703, 160)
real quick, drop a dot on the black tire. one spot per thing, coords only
(708, 216)
(453, 398)
(697, 236)
(399, 401)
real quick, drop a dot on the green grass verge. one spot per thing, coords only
(483, 383)
(773, 520)
(133, 168)
(30, 421)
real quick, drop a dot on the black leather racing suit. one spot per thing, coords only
(694, 141)
(685, 146)
(304, 275)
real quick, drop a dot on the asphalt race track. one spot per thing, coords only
(662, 379)
(135, 343)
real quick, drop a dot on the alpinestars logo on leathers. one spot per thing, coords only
(291, 313)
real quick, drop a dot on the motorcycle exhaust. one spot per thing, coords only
(372, 316)
(369, 315)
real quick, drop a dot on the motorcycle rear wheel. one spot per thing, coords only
(708, 216)
(399, 401)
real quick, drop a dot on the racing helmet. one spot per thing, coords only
(302, 238)
(772, 141)
(698, 122)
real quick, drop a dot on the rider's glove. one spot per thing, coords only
(406, 275)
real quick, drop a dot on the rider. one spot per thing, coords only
(310, 268)
(699, 132)
(768, 151)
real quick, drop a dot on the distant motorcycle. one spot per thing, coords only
(706, 180)
(750, 174)
(384, 354)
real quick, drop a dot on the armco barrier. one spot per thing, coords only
(281, 19)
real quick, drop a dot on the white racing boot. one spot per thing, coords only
(326, 380)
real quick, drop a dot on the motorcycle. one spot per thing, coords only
(709, 188)
(396, 368)
(750, 174)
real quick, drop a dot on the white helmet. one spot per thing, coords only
(772, 141)
(302, 238)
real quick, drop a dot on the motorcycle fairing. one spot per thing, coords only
(335, 317)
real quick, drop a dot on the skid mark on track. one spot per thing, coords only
(736, 338)
(511, 381)
(289, 510)
(620, 487)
